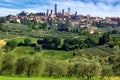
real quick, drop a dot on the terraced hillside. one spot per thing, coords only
(101, 51)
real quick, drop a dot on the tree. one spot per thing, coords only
(47, 40)
(111, 59)
(27, 41)
(59, 69)
(93, 69)
(36, 27)
(84, 69)
(38, 47)
(10, 45)
(30, 66)
(77, 69)
(68, 25)
(45, 25)
(51, 23)
(1, 26)
(114, 31)
(23, 13)
(55, 68)
(66, 46)
(53, 46)
(116, 66)
(37, 66)
(71, 44)
(65, 26)
(14, 21)
(116, 61)
(3, 20)
(57, 41)
(24, 65)
(50, 67)
(107, 72)
(50, 43)
(90, 42)
(40, 41)
(81, 70)
(70, 71)
(104, 39)
(116, 50)
(30, 23)
(7, 66)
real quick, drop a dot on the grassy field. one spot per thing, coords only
(25, 50)
(39, 78)
(56, 53)
(21, 39)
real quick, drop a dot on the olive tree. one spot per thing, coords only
(116, 66)
(7, 65)
(84, 69)
(37, 66)
(92, 69)
(107, 72)
(59, 69)
(50, 67)
(23, 65)
(29, 66)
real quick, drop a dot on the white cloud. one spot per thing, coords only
(99, 9)
(108, 1)
(5, 11)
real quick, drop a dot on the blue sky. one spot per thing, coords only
(102, 8)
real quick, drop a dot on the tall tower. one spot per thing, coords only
(76, 13)
(55, 8)
(47, 12)
(68, 10)
(63, 12)
(51, 11)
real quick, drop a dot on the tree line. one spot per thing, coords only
(28, 65)
(52, 43)
(56, 43)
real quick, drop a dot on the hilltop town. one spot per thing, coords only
(62, 16)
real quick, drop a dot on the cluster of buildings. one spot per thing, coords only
(62, 16)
